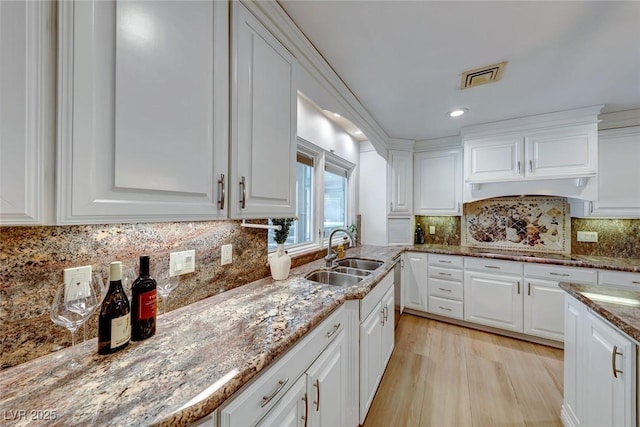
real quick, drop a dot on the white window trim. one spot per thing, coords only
(321, 158)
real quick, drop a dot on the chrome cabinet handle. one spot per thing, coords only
(317, 402)
(267, 399)
(529, 290)
(518, 166)
(243, 201)
(635, 282)
(445, 290)
(306, 409)
(444, 308)
(382, 316)
(222, 192)
(559, 274)
(492, 266)
(518, 287)
(590, 207)
(333, 331)
(530, 165)
(445, 274)
(614, 353)
(444, 261)
(386, 313)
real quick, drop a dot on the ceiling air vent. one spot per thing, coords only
(480, 76)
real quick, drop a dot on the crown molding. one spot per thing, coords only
(619, 119)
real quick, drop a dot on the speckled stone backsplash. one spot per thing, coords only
(447, 229)
(618, 238)
(32, 260)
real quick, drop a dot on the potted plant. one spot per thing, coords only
(280, 262)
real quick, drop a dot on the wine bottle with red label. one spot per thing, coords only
(143, 303)
(114, 324)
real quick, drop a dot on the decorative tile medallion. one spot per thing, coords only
(539, 224)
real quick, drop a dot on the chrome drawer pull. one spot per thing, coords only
(445, 274)
(445, 290)
(444, 308)
(267, 399)
(243, 200)
(333, 331)
(636, 282)
(445, 262)
(492, 266)
(614, 353)
(317, 402)
(518, 287)
(559, 274)
(306, 409)
(222, 192)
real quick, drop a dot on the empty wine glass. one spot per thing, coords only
(164, 285)
(71, 307)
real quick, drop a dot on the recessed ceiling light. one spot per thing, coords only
(457, 112)
(358, 132)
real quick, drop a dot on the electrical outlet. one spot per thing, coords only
(78, 280)
(226, 256)
(588, 236)
(182, 262)
(432, 229)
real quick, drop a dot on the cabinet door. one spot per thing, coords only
(263, 121)
(143, 110)
(563, 152)
(438, 182)
(370, 358)
(291, 410)
(400, 182)
(388, 330)
(27, 137)
(544, 309)
(618, 173)
(326, 385)
(493, 300)
(609, 376)
(573, 361)
(415, 281)
(494, 159)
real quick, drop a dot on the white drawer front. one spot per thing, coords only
(561, 274)
(447, 261)
(446, 289)
(445, 274)
(493, 266)
(446, 307)
(262, 394)
(619, 278)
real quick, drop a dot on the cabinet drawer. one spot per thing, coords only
(445, 274)
(254, 401)
(493, 266)
(619, 278)
(445, 289)
(446, 307)
(560, 273)
(447, 261)
(368, 303)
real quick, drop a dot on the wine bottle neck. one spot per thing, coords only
(144, 266)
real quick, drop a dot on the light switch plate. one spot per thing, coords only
(226, 256)
(182, 262)
(588, 236)
(78, 278)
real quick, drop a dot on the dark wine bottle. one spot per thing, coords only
(114, 323)
(144, 299)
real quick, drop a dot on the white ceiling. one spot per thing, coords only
(403, 59)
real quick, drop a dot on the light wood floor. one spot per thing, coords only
(442, 375)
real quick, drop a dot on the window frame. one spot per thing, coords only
(321, 159)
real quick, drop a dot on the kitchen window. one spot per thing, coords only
(323, 182)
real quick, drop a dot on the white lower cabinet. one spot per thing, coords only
(600, 371)
(376, 341)
(543, 309)
(415, 280)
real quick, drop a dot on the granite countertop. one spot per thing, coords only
(621, 307)
(201, 354)
(204, 352)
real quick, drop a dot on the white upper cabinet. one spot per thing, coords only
(400, 176)
(438, 182)
(550, 146)
(618, 179)
(263, 121)
(143, 110)
(26, 113)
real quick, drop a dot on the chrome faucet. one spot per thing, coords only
(331, 255)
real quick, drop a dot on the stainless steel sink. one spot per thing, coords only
(353, 271)
(333, 278)
(359, 263)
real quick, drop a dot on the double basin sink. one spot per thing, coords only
(348, 271)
